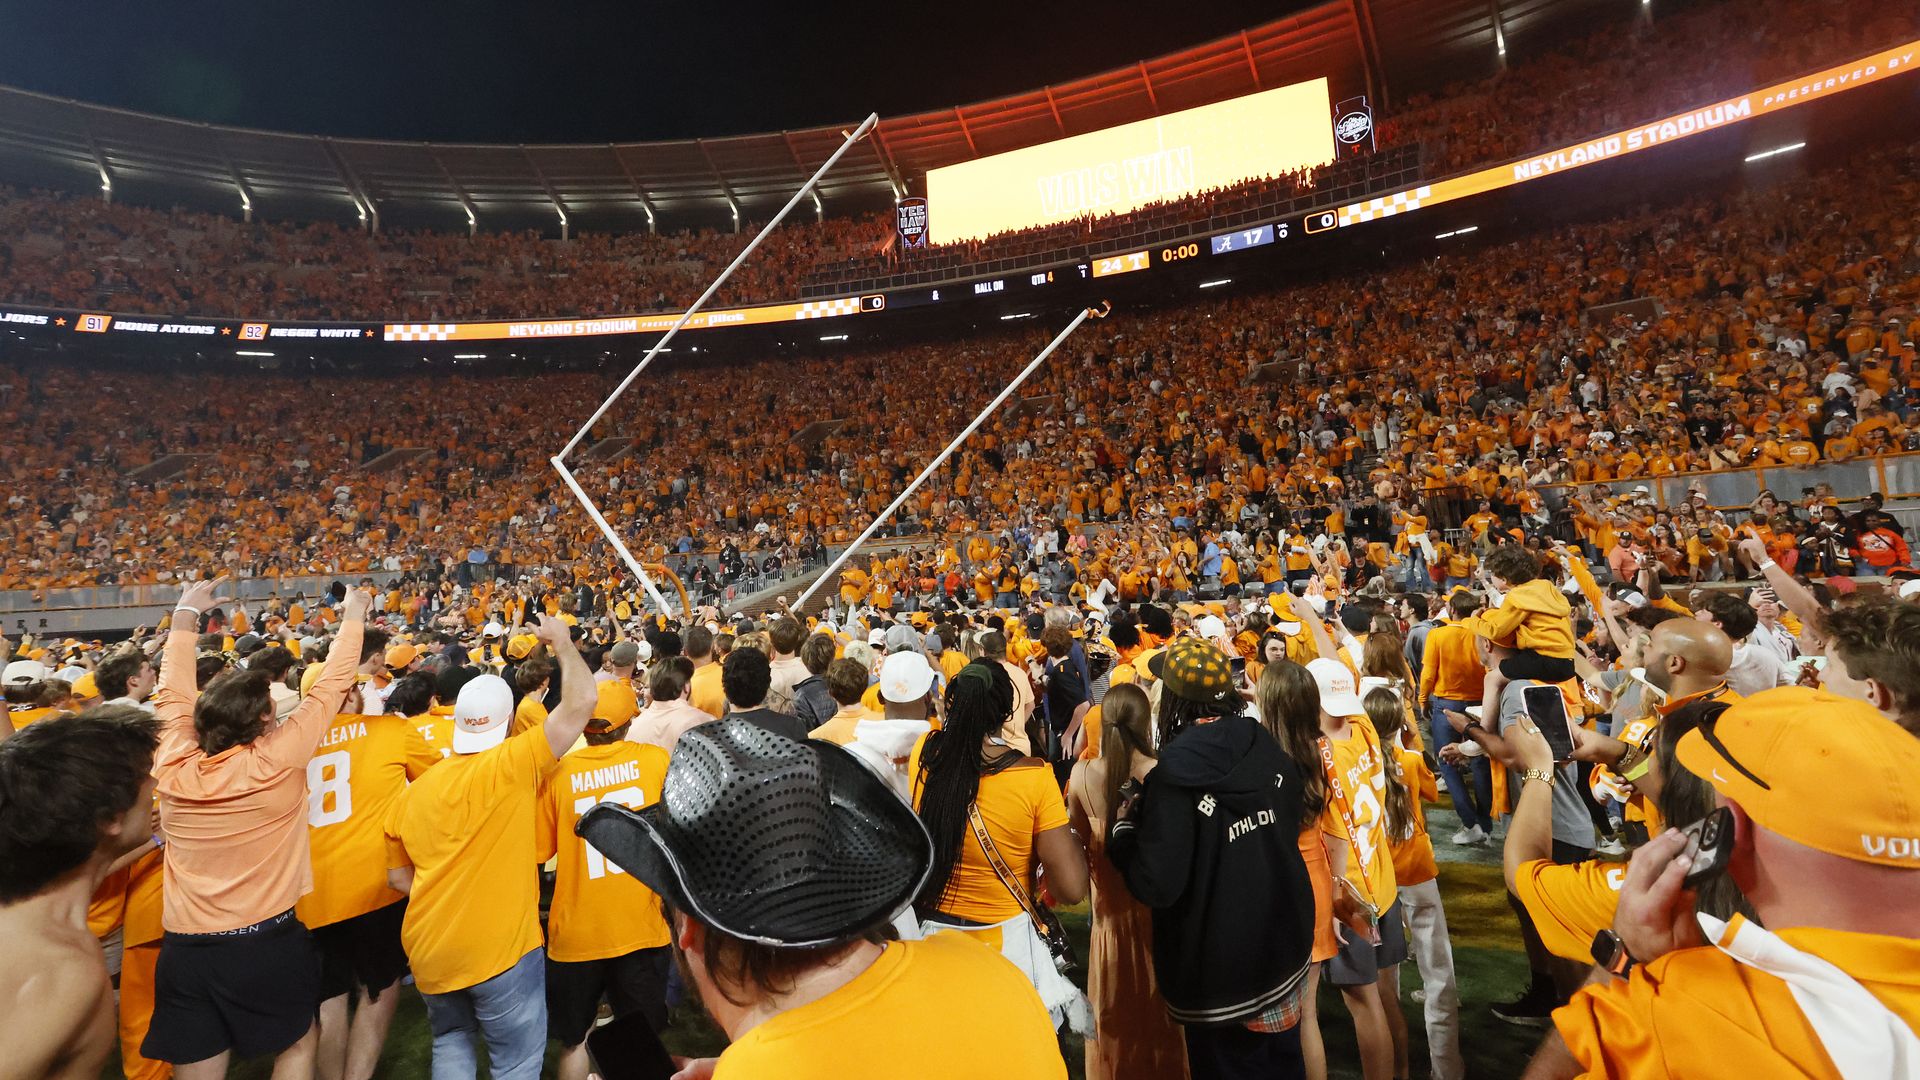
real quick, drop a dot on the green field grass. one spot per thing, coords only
(1488, 963)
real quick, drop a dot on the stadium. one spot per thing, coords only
(529, 600)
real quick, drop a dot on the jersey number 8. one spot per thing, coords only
(327, 782)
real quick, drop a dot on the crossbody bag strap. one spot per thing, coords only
(1340, 803)
(1000, 868)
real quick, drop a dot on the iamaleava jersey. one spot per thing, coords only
(361, 766)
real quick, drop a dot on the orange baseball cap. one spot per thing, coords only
(521, 646)
(400, 656)
(1819, 769)
(617, 706)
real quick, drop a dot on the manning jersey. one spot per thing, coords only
(599, 912)
(361, 766)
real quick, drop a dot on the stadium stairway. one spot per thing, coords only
(763, 601)
(164, 467)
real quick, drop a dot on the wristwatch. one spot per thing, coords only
(1610, 953)
(1537, 774)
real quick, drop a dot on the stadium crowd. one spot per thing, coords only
(81, 253)
(1197, 635)
(1771, 346)
(251, 829)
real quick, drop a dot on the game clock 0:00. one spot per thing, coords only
(1174, 253)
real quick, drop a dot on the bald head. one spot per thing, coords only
(1686, 656)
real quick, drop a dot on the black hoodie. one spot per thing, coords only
(1213, 847)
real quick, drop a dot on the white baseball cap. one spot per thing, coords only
(26, 671)
(905, 677)
(481, 714)
(1337, 695)
(1907, 592)
(1210, 627)
(494, 629)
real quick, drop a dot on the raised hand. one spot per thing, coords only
(358, 603)
(552, 630)
(202, 595)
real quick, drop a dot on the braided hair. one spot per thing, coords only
(979, 700)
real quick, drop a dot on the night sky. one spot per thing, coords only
(575, 70)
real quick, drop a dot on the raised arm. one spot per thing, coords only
(291, 744)
(1793, 595)
(177, 690)
(578, 692)
(1530, 834)
(1322, 641)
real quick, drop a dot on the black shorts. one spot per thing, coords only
(1527, 664)
(361, 953)
(1359, 961)
(636, 982)
(252, 992)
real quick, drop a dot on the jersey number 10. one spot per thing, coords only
(630, 797)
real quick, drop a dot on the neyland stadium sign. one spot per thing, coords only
(1714, 117)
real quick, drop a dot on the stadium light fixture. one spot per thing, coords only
(1016, 315)
(1216, 283)
(250, 352)
(1462, 231)
(558, 461)
(1787, 149)
(469, 356)
(833, 337)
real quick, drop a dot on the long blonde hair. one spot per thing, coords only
(1388, 714)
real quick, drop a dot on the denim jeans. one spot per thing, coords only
(1474, 808)
(508, 1010)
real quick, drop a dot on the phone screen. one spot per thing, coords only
(1547, 708)
(1710, 845)
(627, 1048)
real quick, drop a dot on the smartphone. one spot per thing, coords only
(1710, 843)
(627, 1048)
(1547, 708)
(1238, 665)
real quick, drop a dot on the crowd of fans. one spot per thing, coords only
(1772, 345)
(1196, 634)
(1610, 81)
(252, 827)
(80, 253)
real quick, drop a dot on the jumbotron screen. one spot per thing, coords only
(1118, 169)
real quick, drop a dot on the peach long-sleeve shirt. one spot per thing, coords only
(236, 822)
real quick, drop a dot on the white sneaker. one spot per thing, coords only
(1466, 837)
(1610, 846)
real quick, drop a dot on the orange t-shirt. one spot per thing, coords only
(706, 693)
(435, 728)
(1413, 861)
(1016, 805)
(1700, 1012)
(1569, 904)
(599, 912)
(466, 827)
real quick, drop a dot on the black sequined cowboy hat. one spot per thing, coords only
(790, 844)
